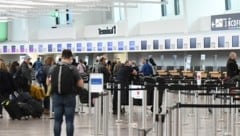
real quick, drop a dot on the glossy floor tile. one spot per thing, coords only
(84, 125)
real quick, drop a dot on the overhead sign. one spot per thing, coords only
(107, 30)
(225, 22)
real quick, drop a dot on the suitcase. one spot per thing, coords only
(31, 107)
(12, 108)
(26, 109)
(37, 109)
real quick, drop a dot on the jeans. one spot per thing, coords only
(64, 105)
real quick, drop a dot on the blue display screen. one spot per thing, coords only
(21, 48)
(207, 42)
(120, 45)
(144, 45)
(193, 43)
(59, 47)
(50, 48)
(221, 41)
(155, 44)
(79, 46)
(96, 81)
(40, 48)
(131, 45)
(31, 49)
(13, 48)
(69, 46)
(110, 46)
(89, 46)
(235, 41)
(4, 48)
(179, 43)
(100, 46)
(167, 44)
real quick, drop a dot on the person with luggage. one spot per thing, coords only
(64, 79)
(6, 84)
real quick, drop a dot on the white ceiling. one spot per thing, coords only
(10, 9)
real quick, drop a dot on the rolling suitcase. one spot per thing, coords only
(12, 108)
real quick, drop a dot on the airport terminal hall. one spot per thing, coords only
(119, 67)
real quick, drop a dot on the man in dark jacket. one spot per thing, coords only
(103, 69)
(232, 67)
(124, 78)
(26, 73)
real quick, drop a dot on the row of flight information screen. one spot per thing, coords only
(144, 45)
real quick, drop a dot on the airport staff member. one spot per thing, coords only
(232, 67)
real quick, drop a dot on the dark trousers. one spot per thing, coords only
(46, 101)
(124, 95)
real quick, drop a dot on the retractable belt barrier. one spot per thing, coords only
(162, 85)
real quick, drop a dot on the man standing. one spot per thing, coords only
(64, 79)
(26, 74)
(103, 69)
(146, 68)
(37, 64)
(124, 78)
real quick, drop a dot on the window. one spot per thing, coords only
(232, 5)
(177, 7)
(227, 4)
(172, 8)
(235, 4)
(164, 9)
(118, 12)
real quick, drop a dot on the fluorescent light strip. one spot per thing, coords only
(15, 6)
(29, 3)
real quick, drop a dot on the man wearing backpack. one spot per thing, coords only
(64, 79)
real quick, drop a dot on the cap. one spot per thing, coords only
(27, 57)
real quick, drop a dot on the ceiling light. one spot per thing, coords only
(30, 3)
(15, 6)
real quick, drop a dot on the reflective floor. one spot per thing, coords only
(84, 123)
(214, 122)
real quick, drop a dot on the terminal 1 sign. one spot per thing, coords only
(225, 22)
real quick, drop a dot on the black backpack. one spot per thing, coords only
(62, 79)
